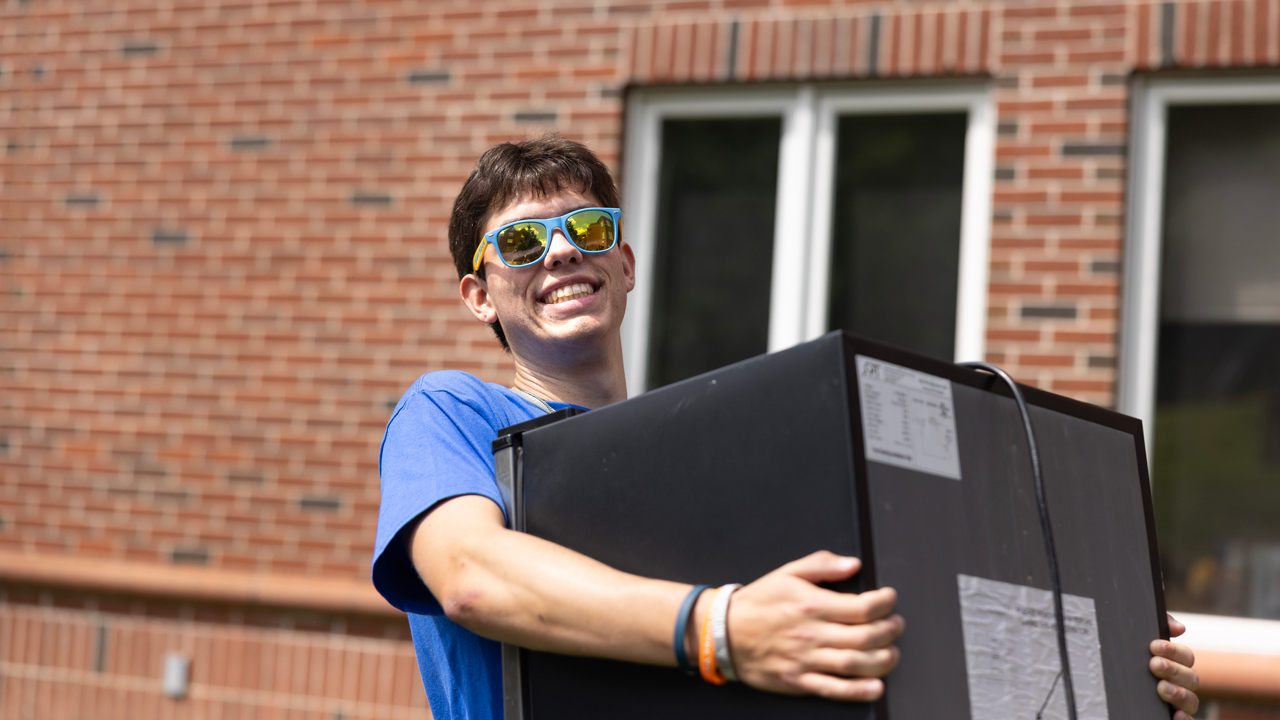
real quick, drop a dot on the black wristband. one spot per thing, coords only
(682, 624)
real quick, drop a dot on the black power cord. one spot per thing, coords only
(1046, 529)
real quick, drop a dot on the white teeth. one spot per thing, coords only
(568, 292)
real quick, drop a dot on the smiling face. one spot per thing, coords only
(569, 302)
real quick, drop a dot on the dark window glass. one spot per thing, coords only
(717, 190)
(896, 229)
(1216, 453)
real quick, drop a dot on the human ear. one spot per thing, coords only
(628, 265)
(475, 295)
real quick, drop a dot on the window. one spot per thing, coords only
(763, 219)
(716, 191)
(1202, 342)
(895, 236)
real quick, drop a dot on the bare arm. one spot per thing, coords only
(787, 634)
(521, 589)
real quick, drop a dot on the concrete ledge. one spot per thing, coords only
(197, 584)
(1238, 676)
(1226, 675)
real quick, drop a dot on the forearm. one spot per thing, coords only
(787, 633)
(517, 588)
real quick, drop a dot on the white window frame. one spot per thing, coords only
(1140, 321)
(806, 179)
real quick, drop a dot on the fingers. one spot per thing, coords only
(1177, 652)
(1175, 628)
(867, 636)
(1179, 697)
(1180, 675)
(1171, 662)
(854, 663)
(847, 608)
(837, 688)
(791, 636)
(852, 608)
(823, 566)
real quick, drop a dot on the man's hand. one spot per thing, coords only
(1171, 662)
(788, 635)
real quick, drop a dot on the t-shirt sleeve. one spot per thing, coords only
(437, 446)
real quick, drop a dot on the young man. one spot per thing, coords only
(443, 553)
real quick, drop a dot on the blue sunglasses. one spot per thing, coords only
(525, 242)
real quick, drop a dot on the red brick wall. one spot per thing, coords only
(222, 224)
(225, 259)
(67, 655)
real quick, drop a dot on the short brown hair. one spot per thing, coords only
(514, 171)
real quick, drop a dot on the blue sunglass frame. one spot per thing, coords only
(551, 225)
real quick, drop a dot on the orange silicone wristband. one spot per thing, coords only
(707, 652)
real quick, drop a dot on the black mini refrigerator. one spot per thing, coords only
(918, 466)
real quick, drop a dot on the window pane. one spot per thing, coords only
(896, 229)
(1216, 455)
(717, 195)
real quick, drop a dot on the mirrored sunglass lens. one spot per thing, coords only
(522, 243)
(591, 230)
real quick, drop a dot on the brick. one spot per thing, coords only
(1058, 126)
(1096, 56)
(1074, 148)
(1059, 35)
(1011, 150)
(1107, 288)
(1055, 172)
(1095, 103)
(1082, 337)
(1097, 10)
(1020, 196)
(1070, 80)
(1024, 58)
(1051, 218)
(1096, 196)
(1030, 11)
(1081, 386)
(1038, 360)
(1048, 312)
(1051, 266)
(1014, 335)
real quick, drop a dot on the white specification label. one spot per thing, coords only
(908, 418)
(1011, 652)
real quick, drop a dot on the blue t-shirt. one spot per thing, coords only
(438, 446)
